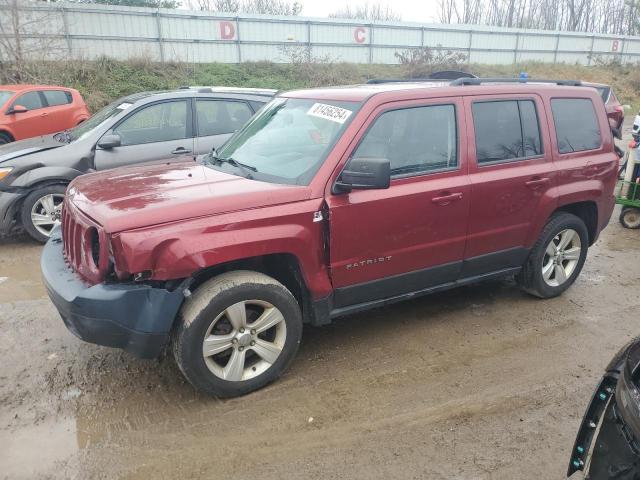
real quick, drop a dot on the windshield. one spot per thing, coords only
(286, 141)
(4, 96)
(85, 128)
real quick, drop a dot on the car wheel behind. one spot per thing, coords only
(41, 211)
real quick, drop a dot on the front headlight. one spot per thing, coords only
(4, 172)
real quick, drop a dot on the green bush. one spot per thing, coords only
(105, 79)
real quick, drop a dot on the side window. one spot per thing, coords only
(506, 130)
(57, 97)
(217, 117)
(415, 140)
(30, 101)
(256, 105)
(160, 122)
(576, 124)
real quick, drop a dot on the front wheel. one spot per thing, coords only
(556, 259)
(42, 210)
(237, 333)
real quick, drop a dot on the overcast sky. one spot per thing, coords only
(425, 11)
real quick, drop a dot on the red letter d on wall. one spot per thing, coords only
(227, 31)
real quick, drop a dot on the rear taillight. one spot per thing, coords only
(619, 108)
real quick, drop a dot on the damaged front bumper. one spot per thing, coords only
(134, 317)
(607, 445)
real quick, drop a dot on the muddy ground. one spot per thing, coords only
(481, 382)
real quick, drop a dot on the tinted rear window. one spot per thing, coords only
(57, 97)
(506, 130)
(576, 124)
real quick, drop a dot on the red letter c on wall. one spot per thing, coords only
(227, 31)
(359, 34)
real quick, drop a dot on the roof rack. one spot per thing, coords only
(434, 76)
(480, 81)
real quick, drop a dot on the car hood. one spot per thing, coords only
(134, 197)
(21, 148)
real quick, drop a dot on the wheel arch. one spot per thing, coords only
(4, 131)
(283, 267)
(587, 211)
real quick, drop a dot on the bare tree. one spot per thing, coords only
(27, 33)
(374, 12)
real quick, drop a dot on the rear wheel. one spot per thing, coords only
(5, 138)
(630, 217)
(237, 333)
(41, 211)
(556, 259)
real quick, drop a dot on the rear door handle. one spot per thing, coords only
(537, 182)
(44, 114)
(180, 150)
(447, 199)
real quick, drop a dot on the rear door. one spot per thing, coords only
(216, 120)
(512, 176)
(153, 132)
(410, 236)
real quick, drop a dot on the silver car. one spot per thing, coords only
(144, 127)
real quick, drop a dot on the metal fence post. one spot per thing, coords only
(238, 40)
(67, 34)
(593, 39)
(422, 36)
(515, 51)
(159, 28)
(370, 43)
(555, 51)
(469, 46)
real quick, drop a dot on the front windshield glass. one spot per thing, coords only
(4, 96)
(286, 141)
(86, 127)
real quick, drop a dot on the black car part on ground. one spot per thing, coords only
(607, 445)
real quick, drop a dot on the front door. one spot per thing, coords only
(511, 172)
(159, 131)
(33, 122)
(411, 236)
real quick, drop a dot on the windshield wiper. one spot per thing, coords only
(233, 162)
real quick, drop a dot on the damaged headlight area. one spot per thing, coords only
(4, 172)
(607, 445)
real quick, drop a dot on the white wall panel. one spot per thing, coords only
(195, 36)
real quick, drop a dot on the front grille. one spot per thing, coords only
(84, 244)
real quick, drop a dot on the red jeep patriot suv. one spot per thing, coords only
(331, 201)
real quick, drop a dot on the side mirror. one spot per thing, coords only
(616, 133)
(110, 141)
(364, 173)
(18, 109)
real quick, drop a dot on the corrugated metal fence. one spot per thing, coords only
(90, 31)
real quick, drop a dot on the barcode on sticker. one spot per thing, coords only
(329, 112)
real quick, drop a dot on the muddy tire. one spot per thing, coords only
(556, 259)
(5, 138)
(41, 211)
(237, 333)
(630, 217)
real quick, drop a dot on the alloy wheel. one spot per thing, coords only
(244, 341)
(46, 213)
(561, 257)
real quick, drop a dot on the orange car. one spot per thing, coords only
(33, 110)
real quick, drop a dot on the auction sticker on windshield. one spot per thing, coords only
(329, 112)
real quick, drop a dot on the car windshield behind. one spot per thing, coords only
(98, 119)
(4, 96)
(287, 141)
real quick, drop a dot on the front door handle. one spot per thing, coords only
(536, 182)
(180, 150)
(44, 114)
(447, 198)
